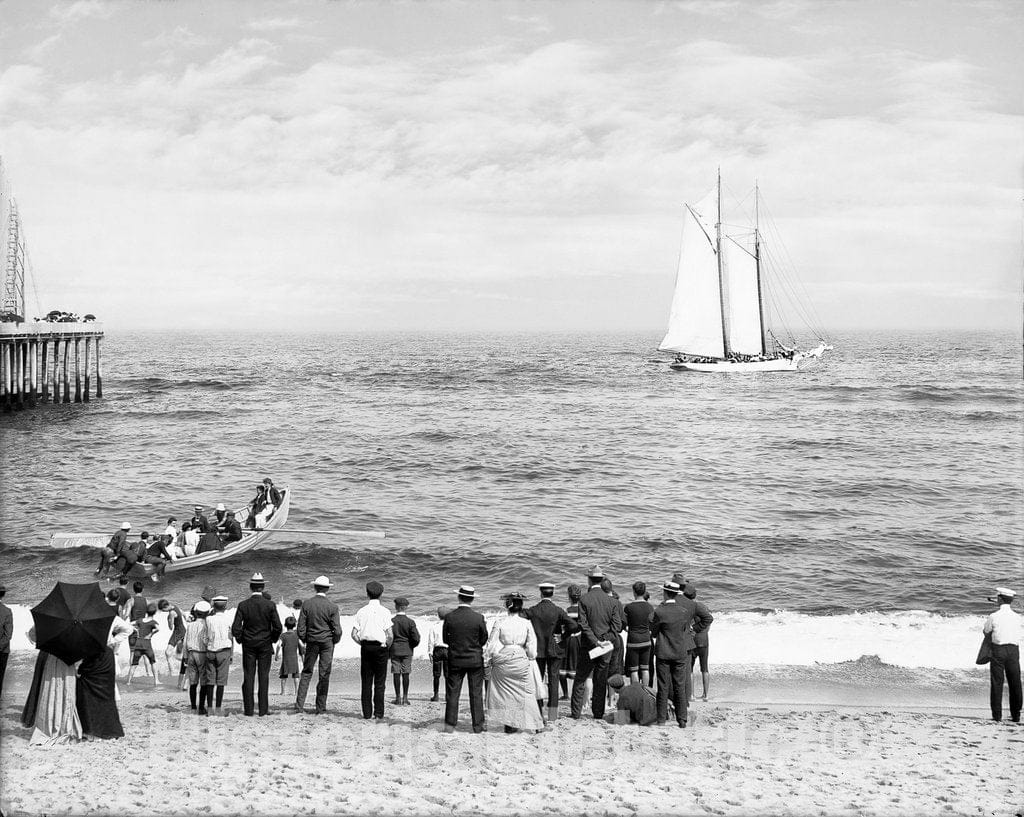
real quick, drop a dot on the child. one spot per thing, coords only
(144, 644)
(289, 649)
(572, 648)
(438, 651)
(195, 656)
(406, 639)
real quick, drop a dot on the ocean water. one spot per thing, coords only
(864, 507)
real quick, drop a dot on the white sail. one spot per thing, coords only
(695, 322)
(743, 310)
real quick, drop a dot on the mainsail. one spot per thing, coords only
(716, 308)
(743, 306)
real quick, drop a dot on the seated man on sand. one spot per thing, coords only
(636, 702)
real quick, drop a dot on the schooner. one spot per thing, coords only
(718, 321)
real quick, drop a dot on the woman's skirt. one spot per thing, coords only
(512, 697)
(96, 696)
(50, 709)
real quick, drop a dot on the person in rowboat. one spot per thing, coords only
(200, 522)
(220, 517)
(113, 550)
(232, 530)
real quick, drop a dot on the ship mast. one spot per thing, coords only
(757, 261)
(721, 280)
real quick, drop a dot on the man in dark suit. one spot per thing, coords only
(553, 626)
(319, 629)
(670, 625)
(465, 633)
(599, 623)
(257, 627)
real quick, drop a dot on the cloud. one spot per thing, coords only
(277, 24)
(69, 13)
(361, 169)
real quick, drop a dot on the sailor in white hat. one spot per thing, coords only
(115, 547)
(1004, 629)
(219, 514)
(257, 627)
(319, 627)
(465, 633)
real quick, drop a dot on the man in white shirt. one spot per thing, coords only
(1004, 627)
(373, 633)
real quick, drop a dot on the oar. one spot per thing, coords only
(374, 534)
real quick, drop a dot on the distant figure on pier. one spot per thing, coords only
(113, 549)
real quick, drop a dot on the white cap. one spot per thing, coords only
(220, 506)
(321, 581)
(126, 526)
(202, 607)
(1005, 591)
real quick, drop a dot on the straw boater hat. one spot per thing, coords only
(321, 581)
(467, 591)
(257, 578)
(546, 586)
(671, 587)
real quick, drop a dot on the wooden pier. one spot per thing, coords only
(39, 359)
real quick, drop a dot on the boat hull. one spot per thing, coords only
(796, 363)
(249, 540)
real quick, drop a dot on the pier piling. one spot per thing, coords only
(42, 372)
(78, 371)
(85, 395)
(67, 380)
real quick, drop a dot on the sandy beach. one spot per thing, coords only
(740, 757)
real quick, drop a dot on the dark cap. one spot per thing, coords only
(401, 601)
(616, 681)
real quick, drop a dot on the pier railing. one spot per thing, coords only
(37, 360)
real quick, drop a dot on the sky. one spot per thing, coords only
(468, 166)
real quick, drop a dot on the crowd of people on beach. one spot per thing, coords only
(635, 658)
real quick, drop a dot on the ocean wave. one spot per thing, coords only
(864, 642)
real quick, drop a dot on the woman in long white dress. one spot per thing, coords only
(511, 652)
(50, 710)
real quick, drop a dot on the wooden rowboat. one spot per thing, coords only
(249, 540)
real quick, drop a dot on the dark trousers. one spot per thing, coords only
(1005, 663)
(373, 671)
(672, 678)
(3, 668)
(549, 668)
(256, 668)
(324, 652)
(453, 688)
(598, 667)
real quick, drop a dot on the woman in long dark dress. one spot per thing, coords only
(96, 693)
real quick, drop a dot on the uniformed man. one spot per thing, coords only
(113, 549)
(257, 627)
(200, 522)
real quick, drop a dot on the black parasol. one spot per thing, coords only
(73, 621)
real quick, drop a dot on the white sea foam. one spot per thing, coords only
(910, 638)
